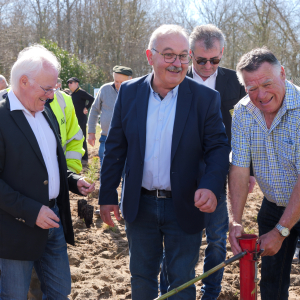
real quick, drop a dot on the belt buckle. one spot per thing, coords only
(157, 196)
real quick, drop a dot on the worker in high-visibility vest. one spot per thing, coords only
(70, 133)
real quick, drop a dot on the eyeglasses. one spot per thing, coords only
(202, 61)
(47, 91)
(171, 57)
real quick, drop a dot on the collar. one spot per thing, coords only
(114, 87)
(16, 104)
(76, 90)
(174, 91)
(212, 76)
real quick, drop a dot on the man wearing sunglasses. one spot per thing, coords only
(206, 49)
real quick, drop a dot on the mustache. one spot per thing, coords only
(174, 69)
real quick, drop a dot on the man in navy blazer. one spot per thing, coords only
(169, 130)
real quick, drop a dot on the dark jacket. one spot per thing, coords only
(198, 137)
(24, 188)
(231, 92)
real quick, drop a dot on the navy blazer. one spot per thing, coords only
(198, 138)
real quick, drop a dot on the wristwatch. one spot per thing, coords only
(284, 231)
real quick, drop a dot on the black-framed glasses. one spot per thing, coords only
(47, 91)
(70, 82)
(202, 61)
(171, 57)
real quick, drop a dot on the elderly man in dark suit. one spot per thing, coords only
(35, 217)
(207, 48)
(167, 127)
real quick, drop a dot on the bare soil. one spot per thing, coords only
(99, 261)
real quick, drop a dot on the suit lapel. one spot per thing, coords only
(184, 101)
(142, 97)
(24, 126)
(221, 82)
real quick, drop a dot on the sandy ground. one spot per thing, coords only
(99, 261)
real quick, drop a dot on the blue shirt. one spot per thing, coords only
(159, 132)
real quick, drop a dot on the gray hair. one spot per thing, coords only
(2, 78)
(30, 62)
(166, 29)
(252, 61)
(209, 34)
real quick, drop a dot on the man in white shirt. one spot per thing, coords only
(34, 181)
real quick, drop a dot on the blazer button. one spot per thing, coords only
(45, 182)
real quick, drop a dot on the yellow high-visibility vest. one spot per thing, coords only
(71, 134)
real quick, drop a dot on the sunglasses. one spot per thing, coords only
(70, 82)
(202, 61)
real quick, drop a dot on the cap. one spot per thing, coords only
(122, 70)
(73, 79)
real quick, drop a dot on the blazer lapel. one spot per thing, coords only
(221, 82)
(184, 101)
(24, 126)
(142, 97)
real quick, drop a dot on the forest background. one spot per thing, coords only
(92, 36)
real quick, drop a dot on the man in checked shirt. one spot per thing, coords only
(265, 129)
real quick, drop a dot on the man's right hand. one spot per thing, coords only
(105, 211)
(92, 139)
(235, 231)
(46, 218)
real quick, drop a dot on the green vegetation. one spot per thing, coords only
(72, 66)
(91, 174)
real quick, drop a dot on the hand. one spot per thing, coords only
(47, 218)
(105, 214)
(85, 111)
(205, 200)
(84, 187)
(235, 231)
(251, 184)
(271, 242)
(92, 139)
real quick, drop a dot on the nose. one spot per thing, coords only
(261, 93)
(177, 62)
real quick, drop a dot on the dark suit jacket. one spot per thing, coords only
(231, 92)
(24, 188)
(198, 137)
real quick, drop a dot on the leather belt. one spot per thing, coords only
(157, 193)
(52, 203)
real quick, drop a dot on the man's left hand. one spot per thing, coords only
(271, 242)
(205, 200)
(85, 111)
(84, 187)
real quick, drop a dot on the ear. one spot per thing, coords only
(222, 51)
(282, 73)
(191, 52)
(24, 82)
(149, 57)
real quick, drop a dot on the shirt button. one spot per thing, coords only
(45, 182)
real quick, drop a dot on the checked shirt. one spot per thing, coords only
(275, 152)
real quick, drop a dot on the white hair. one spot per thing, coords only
(166, 29)
(30, 62)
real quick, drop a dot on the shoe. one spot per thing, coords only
(296, 256)
(84, 163)
(97, 213)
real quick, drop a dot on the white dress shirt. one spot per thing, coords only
(159, 132)
(209, 82)
(46, 141)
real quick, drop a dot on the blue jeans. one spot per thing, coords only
(52, 269)
(154, 227)
(102, 141)
(215, 252)
(276, 269)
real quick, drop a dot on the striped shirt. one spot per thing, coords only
(275, 152)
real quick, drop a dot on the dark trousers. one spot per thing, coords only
(82, 123)
(276, 269)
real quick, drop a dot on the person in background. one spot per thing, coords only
(82, 101)
(103, 106)
(3, 83)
